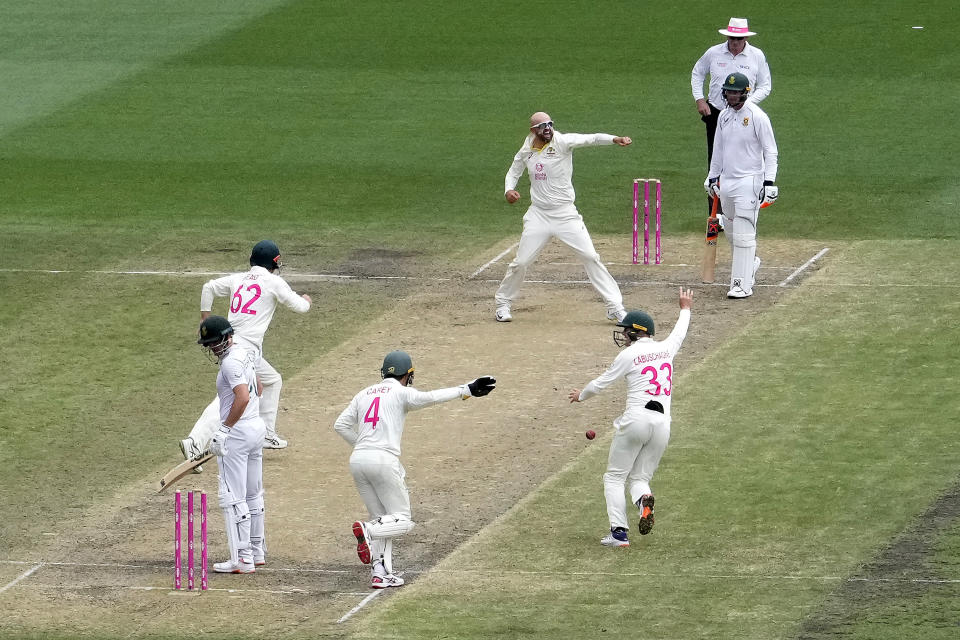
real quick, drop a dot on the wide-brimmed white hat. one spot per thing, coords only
(737, 28)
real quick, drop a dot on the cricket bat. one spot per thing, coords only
(182, 469)
(710, 252)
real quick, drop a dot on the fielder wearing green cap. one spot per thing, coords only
(373, 425)
(642, 432)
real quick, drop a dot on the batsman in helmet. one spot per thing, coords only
(743, 170)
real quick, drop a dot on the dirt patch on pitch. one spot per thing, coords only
(467, 461)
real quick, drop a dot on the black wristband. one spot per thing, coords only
(768, 183)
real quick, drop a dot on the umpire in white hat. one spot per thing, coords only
(735, 55)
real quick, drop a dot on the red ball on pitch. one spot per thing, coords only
(591, 434)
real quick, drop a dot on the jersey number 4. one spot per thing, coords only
(373, 413)
(237, 305)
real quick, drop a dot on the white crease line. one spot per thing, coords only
(333, 277)
(694, 576)
(502, 253)
(22, 576)
(114, 565)
(804, 266)
(362, 604)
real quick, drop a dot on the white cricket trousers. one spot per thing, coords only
(566, 225)
(381, 482)
(240, 487)
(741, 208)
(209, 420)
(640, 438)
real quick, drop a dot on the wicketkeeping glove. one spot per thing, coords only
(712, 187)
(481, 386)
(768, 194)
(218, 445)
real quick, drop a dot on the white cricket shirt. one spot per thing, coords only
(237, 368)
(744, 144)
(551, 168)
(647, 366)
(374, 418)
(253, 300)
(720, 63)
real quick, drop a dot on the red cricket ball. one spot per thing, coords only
(591, 434)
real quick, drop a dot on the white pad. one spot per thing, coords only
(258, 540)
(744, 250)
(236, 518)
(390, 526)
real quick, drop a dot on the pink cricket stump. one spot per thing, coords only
(176, 541)
(659, 254)
(636, 222)
(203, 541)
(190, 540)
(646, 222)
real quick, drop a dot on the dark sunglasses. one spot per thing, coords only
(543, 125)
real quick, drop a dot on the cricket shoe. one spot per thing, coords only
(616, 538)
(363, 549)
(259, 561)
(616, 316)
(274, 441)
(234, 567)
(503, 314)
(645, 504)
(385, 581)
(737, 292)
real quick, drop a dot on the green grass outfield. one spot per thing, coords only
(171, 136)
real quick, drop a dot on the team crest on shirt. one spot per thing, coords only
(746, 121)
(550, 152)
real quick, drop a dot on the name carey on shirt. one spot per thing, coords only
(650, 357)
(374, 390)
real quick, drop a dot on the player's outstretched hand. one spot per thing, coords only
(574, 395)
(482, 386)
(686, 298)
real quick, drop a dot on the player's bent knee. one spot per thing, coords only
(391, 526)
(744, 240)
(256, 505)
(614, 478)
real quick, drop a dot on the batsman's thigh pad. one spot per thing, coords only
(390, 526)
(228, 500)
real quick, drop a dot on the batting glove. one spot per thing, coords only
(768, 194)
(480, 387)
(712, 187)
(218, 446)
